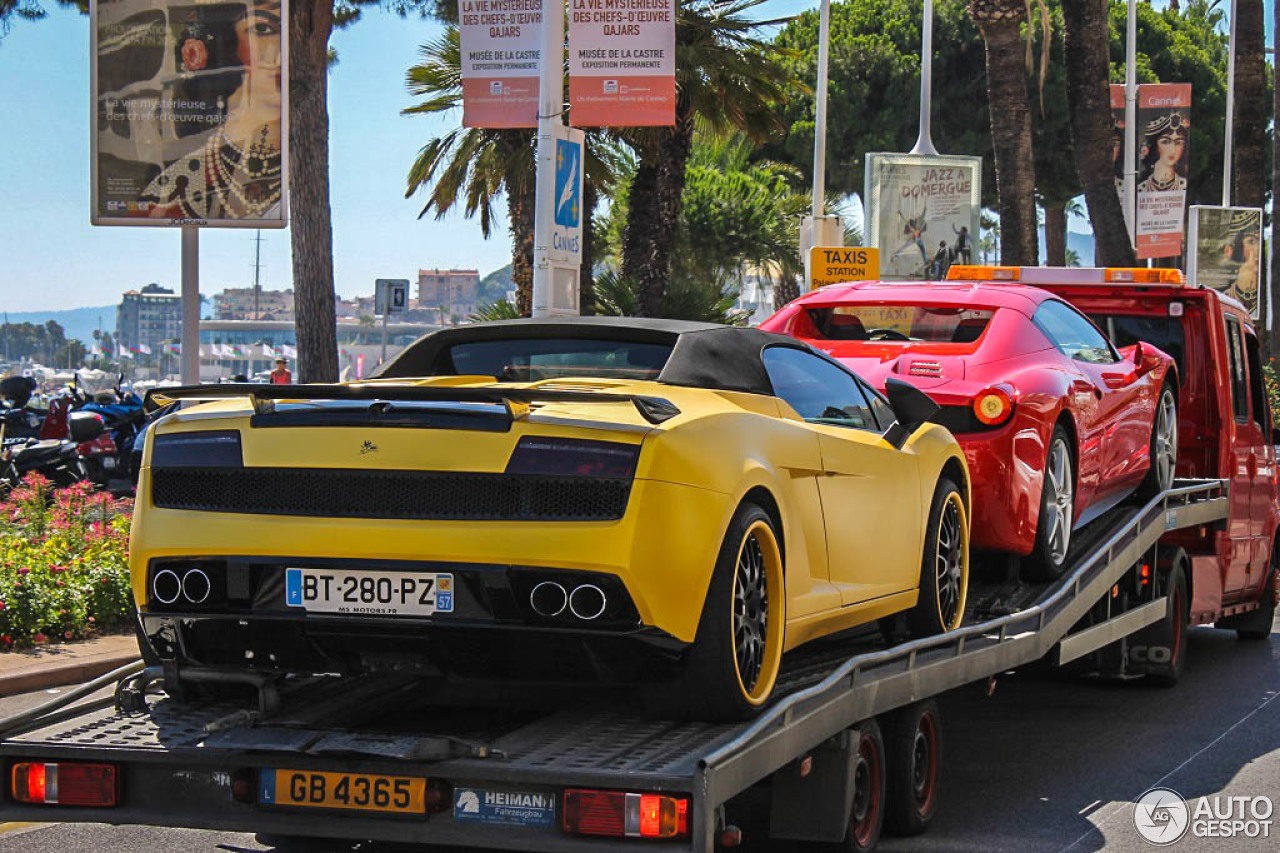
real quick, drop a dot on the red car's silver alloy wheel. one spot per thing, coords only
(1059, 509)
(1166, 442)
(750, 612)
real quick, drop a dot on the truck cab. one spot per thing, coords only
(1225, 423)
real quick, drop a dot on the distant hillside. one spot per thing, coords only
(495, 285)
(77, 322)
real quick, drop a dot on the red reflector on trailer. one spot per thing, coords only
(622, 815)
(65, 784)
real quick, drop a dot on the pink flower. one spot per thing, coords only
(67, 635)
(195, 55)
(1, 605)
(24, 571)
(92, 620)
(39, 638)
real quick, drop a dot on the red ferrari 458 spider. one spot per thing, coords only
(1057, 424)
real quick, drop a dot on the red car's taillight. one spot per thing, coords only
(993, 406)
(65, 783)
(619, 814)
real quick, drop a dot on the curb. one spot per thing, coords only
(61, 674)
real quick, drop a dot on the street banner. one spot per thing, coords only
(1224, 251)
(836, 264)
(922, 212)
(191, 109)
(1117, 137)
(1164, 139)
(622, 64)
(501, 44)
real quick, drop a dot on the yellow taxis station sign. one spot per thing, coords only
(834, 264)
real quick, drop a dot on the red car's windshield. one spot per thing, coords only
(935, 324)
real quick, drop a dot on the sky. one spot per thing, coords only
(55, 259)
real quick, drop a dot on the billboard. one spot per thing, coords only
(1224, 251)
(1164, 139)
(920, 207)
(622, 65)
(501, 42)
(190, 123)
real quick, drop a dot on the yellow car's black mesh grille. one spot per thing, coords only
(342, 493)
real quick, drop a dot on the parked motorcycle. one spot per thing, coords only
(106, 456)
(22, 447)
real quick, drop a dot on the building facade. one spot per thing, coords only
(452, 293)
(148, 317)
(242, 303)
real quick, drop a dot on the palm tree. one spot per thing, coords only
(726, 78)
(1001, 24)
(1250, 121)
(1087, 57)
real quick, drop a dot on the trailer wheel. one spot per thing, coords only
(1171, 633)
(1257, 624)
(866, 815)
(913, 743)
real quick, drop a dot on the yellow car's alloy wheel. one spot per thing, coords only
(951, 561)
(758, 613)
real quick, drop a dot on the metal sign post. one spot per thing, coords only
(924, 141)
(817, 229)
(555, 271)
(1131, 125)
(1228, 136)
(190, 372)
(390, 296)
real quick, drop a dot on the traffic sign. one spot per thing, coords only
(834, 264)
(390, 295)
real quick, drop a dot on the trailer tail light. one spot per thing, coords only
(622, 815)
(65, 784)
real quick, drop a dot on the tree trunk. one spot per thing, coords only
(1001, 24)
(586, 279)
(656, 196)
(1250, 124)
(1087, 57)
(520, 209)
(1055, 234)
(311, 229)
(784, 292)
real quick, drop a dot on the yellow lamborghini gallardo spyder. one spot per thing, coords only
(588, 499)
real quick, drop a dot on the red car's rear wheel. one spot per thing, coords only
(1048, 559)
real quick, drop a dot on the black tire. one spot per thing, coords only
(913, 746)
(944, 565)
(1170, 633)
(711, 686)
(1155, 482)
(1047, 562)
(867, 812)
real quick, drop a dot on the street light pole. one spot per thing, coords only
(820, 112)
(924, 141)
(550, 107)
(1228, 137)
(1131, 124)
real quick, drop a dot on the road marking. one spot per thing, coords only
(14, 827)
(1118, 807)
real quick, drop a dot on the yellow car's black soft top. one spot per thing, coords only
(703, 355)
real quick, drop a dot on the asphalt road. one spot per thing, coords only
(1038, 765)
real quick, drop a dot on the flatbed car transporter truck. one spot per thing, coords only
(852, 741)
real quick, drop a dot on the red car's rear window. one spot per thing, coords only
(935, 324)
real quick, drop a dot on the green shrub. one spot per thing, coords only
(64, 564)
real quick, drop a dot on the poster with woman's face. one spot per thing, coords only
(1226, 251)
(190, 113)
(1164, 137)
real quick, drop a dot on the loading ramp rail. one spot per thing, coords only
(610, 747)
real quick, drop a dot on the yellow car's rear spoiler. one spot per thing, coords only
(655, 410)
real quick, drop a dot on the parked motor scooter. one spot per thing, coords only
(22, 450)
